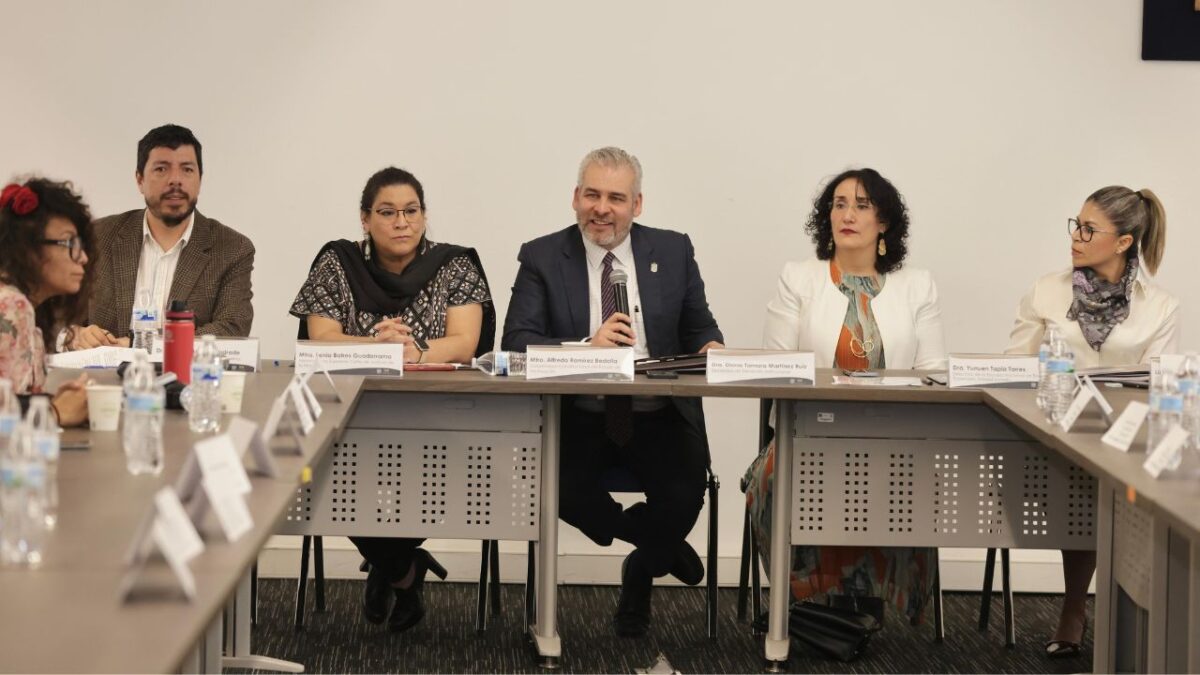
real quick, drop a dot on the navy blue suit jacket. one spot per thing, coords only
(549, 301)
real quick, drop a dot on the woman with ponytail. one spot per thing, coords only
(1110, 315)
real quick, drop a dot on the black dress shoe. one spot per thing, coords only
(633, 609)
(377, 596)
(687, 566)
(410, 602)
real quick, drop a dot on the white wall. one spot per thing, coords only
(995, 119)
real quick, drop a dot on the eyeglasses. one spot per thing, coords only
(1086, 232)
(73, 244)
(411, 215)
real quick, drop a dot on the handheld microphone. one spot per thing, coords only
(619, 280)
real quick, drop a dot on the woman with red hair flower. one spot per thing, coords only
(45, 236)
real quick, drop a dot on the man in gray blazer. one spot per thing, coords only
(168, 251)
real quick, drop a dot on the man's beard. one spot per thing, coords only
(171, 220)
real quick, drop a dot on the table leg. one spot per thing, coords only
(1194, 606)
(1156, 647)
(777, 641)
(1104, 647)
(241, 656)
(544, 632)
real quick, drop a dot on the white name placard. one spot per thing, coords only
(1125, 429)
(1168, 454)
(1082, 398)
(220, 462)
(1165, 363)
(350, 358)
(239, 353)
(995, 371)
(176, 537)
(301, 407)
(97, 357)
(605, 363)
(761, 366)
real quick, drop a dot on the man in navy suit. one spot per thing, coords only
(563, 294)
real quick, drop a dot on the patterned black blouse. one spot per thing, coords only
(327, 293)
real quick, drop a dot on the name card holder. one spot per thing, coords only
(993, 371)
(165, 528)
(236, 353)
(760, 366)
(318, 366)
(379, 359)
(544, 362)
(282, 413)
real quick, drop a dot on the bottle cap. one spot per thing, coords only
(180, 311)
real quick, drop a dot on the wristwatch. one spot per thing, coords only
(422, 347)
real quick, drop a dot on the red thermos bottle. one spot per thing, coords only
(179, 339)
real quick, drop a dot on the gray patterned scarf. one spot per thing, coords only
(1100, 305)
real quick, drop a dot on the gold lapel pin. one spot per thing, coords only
(653, 267)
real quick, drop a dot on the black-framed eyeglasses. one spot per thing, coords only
(1086, 232)
(74, 246)
(411, 214)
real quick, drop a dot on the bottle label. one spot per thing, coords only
(35, 475)
(1188, 386)
(1170, 403)
(1044, 354)
(8, 423)
(144, 402)
(502, 363)
(47, 445)
(10, 477)
(206, 373)
(1060, 366)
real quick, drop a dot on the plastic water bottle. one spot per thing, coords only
(1188, 379)
(22, 499)
(144, 403)
(204, 404)
(500, 363)
(10, 417)
(43, 435)
(1044, 350)
(1166, 410)
(1060, 380)
(144, 324)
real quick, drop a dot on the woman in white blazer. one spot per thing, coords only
(855, 307)
(1110, 315)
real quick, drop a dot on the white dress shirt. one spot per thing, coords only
(808, 311)
(1150, 329)
(623, 260)
(156, 269)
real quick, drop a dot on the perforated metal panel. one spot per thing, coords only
(1133, 533)
(446, 484)
(938, 493)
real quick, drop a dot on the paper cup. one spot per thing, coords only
(104, 406)
(233, 383)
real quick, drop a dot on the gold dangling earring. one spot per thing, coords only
(882, 248)
(366, 245)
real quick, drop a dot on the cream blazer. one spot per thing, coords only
(1151, 329)
(807, 313)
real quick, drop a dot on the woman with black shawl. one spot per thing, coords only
(397, 286)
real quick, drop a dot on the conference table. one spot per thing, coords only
(1146, 531)
(68, 616)
(939, 467)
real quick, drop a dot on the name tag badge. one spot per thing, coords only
(760, 366)
(569, 362)
(993, 371)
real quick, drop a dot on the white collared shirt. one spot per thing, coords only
(156, 269)
(1151, 329)
(623, 254)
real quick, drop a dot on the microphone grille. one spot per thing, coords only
(618, 277)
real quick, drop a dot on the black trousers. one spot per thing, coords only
(668, 457)
(391, 555)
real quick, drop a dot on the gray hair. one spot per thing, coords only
(1139, 214)
(613, 157)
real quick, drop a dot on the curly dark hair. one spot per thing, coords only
(889, 205)
(21, 247)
